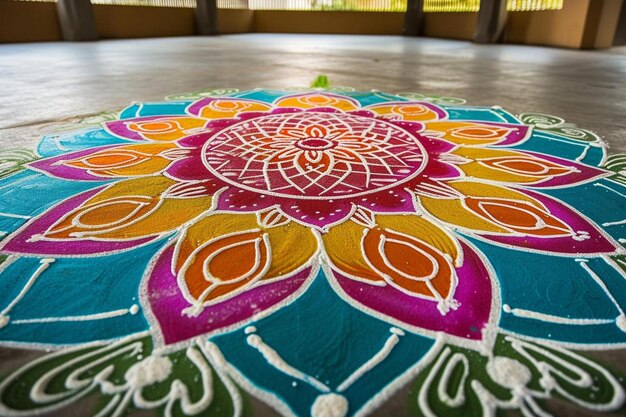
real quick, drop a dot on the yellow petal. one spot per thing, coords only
(508, 166)
(493, 209)
(343, 241)
(128, 161)
(468, 133)
(229, 108)
(129, 209)
(167, 128)
(410, 111)
(223, 254)
(314, 100)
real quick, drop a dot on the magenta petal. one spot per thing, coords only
(317, 213)
(52, 166)
(19, 242)
(166, 303)
(237, 199)
(518, 135)
(395, 200)
(119, 127)
(584, 173)
(364, 113)
(191, 168)
(441, 113)
(196, 107)
(596, 243)
(473, 293)
(435, 146)
(438, 170)
(210, 129)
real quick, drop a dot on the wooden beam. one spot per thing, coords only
(206, 17)
(491, 21)
(414, 18)
(76, 20)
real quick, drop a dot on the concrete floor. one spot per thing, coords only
(49, 82)
(46, 82)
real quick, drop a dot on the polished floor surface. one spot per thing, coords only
(45, 83)
(42, 83)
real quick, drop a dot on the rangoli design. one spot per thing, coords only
(318, 249)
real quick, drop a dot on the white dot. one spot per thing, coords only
(329, 405)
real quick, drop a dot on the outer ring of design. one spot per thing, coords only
(362, 193)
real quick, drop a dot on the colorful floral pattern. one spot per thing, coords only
(251, 203)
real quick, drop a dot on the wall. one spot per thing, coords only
(374, 23)
(602, 20)
(235, 21)
(580, 24)
(28, 21)
(552, 27)
(450, 25)
(114, 22)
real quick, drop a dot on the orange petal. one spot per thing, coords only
(129, 210)
(167, 128)
(518, 216)
(127, 161)
(405, 251)
(223, 254)
(508, 166)
(226, 265)
(314, 100)
(469, 133)
(410, 111)
(229, 108)
(493, 209)
(411, 265)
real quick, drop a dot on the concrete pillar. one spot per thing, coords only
(414, 18)
(601, 23)
(206, 17)
(76, 20)
(619, 38)
(491, 21)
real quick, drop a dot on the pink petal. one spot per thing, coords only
(320, 214)
(120, 128)
(596, 242)
(166, 303)
(238, 199)
(52, 166)
(25, 242)
(519, 134)
(473, 293)
(584, 173)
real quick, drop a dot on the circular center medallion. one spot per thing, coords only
(314, 155)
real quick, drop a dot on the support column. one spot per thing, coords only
(206, 17)
(414, 18)
(491, 21)
(76, 20)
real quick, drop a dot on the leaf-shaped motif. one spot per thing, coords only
(125, 375)
(518, 375)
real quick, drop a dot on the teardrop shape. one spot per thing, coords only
(102, 217)
(411, 265)
(219, 268)
(526, 166)
(478, 132)
(518, 216)
(155, 126)
(118, 158)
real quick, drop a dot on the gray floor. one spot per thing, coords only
(46, 83)
(41, 83)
